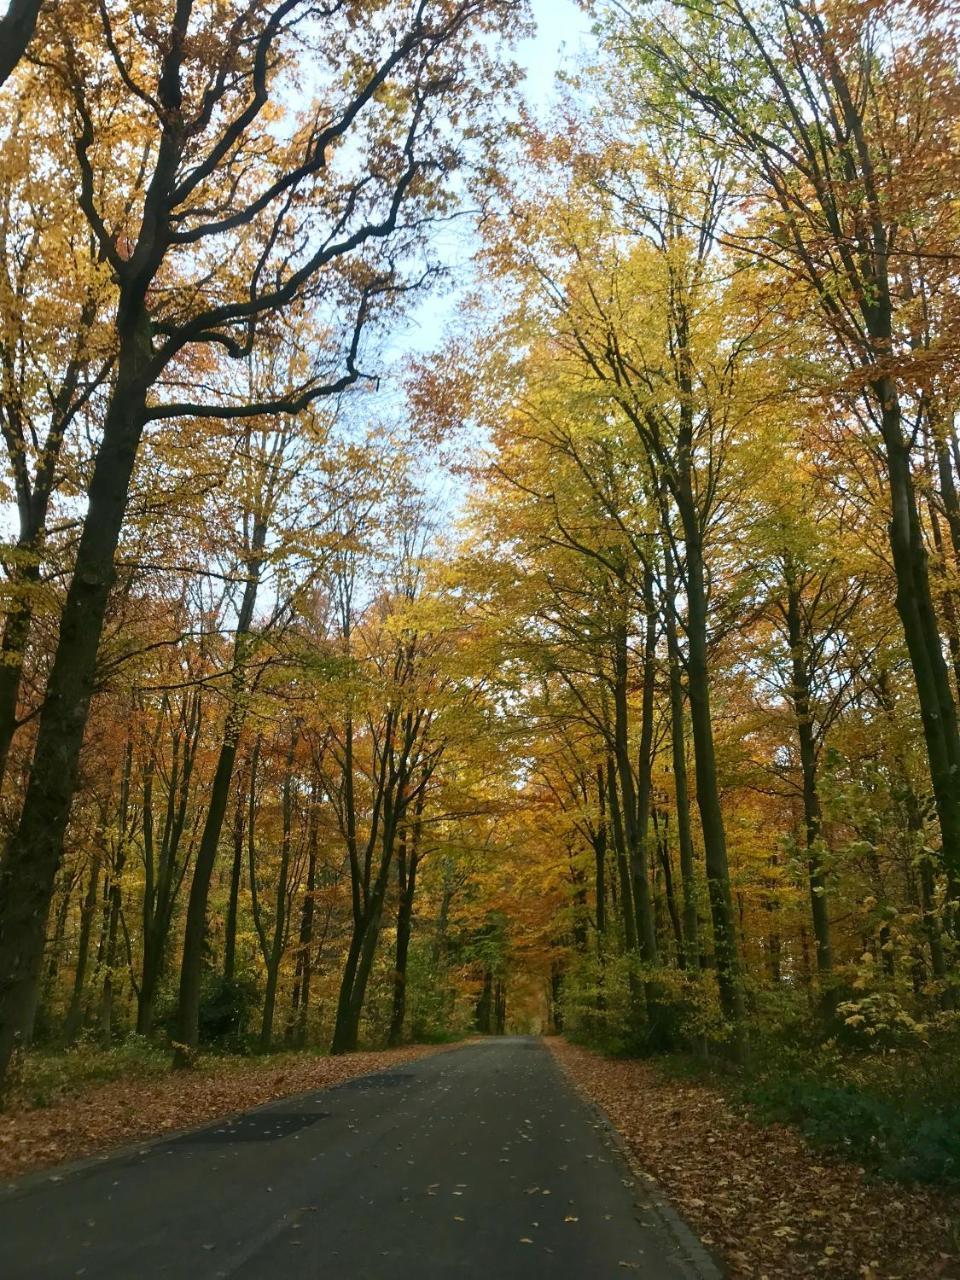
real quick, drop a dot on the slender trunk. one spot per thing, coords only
(932, 925)
(404, 920)
(164, 881)
(947, 594)
(771, 905)
(644, 931)
(306, 929)
(236, 873)
(581, 910)
(191, 966)
(484, 1014)
(915, 607)
(812, 817)
(646, 924)
(623, 866)
(673, 911)
(388, 813)
(87, 913)
(105, 1010)
(500, 1007)
(105, 1017)
(280, 916)
(726, 958)
(407, 886)
(59, 931)
(600, 856)
(688, 875)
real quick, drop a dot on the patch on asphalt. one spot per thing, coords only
(256, 1128)
(384, 1080)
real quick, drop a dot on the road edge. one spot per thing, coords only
(692, 1248)
(15, 1188)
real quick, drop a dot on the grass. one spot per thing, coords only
(44, 1076)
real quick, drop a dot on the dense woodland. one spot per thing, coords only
(598, 671)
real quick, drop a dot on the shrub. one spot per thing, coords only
(225, 1009)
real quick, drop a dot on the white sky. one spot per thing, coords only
(563, 32)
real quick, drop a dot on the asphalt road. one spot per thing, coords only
(478, 1162)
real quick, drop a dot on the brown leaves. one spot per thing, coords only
(102, 1116)
(759, 1197)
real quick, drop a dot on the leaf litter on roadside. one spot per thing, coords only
(761, 1198)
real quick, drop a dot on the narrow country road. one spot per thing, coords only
(478, 1162)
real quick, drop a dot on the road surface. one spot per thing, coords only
(480, 1162)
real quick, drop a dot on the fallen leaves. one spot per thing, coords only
(104, 1115)
(760, 1197)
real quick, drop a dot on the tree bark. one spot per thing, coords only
(32, 856)
(708, 792)
(88, 911)
(643, 929)
(16, 31)
(407, 867)
(275, 957)
(678, 747)
(627, 915)
(646, 923)
(191, 967)
(914, 602)
(236, 872)
(812, 816)
(300, 1007)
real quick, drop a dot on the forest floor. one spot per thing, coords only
(765, 1202)
(83, 1117)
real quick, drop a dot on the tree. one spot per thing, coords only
(836, 117)
(200, 94)
(16, 31)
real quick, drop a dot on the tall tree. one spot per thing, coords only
(200, 89)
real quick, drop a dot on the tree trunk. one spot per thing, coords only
(164, 880)
(280, 916)
(105, 1014)
(623, 866)
(673, 911)
(301, 1009)
(347, 1032)
(345, 1029)
(600, 857)
(88, 911)
(646, 923)
(191, 966)
(236, 873)
(915, 607)
(500, 1007)
(484, 1014)
(407, 885)
(16, 631)
(635, 839)
(708, 793)
(16, 31)
(34, 850)
(800, 694)
(691, 923)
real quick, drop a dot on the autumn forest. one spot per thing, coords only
(591, 667)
